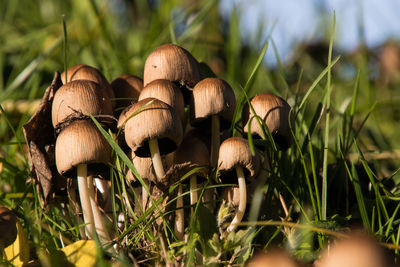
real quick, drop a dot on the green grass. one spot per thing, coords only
(342, 169)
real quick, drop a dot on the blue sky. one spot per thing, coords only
(293, 21)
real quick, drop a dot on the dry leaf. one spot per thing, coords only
(18, 252)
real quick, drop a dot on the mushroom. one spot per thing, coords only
(235, 155)
(212, 100)
(152, 128)
(275, 257)
(126, 90)
(355, 250)
(81, 150)
(173, 63)
(80, 96)
(85, 72)
(167, 92)
(8, 228)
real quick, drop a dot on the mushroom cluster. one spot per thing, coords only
(175, 125)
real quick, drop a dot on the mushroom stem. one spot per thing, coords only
(74, 203)
(84, 195)
(145, 195)
(215, 128)
(193, 192)
(98, 217)
(242, 200)
(105, 191)
(179, 224)
(156, 158)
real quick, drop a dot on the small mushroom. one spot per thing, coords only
(173, 63)
(275, 257)
(8, 228)
(167, 92)
(81, 150)
(81, 96)
(126, 90)
(212, 100)
(152, 128)
(85, 72)
(235, 155)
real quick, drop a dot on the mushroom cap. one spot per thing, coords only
(8, 226)
(127, 87)
(275, 257)
(233, 152)
(167, 92)
(83, 96)
(85, 72)
(212, 96)
(156, 120)
(82, 143)
(193, 151)
(173, 63)
(275, 113)
(144, 166)
(357, 250)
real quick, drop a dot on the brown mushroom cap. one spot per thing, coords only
(144, 166)
(126, 87)
(8, 226)
(233, 152)
(212, 96)
(275, 113)
(192, 151)
(167, 92)
(81, 143)
(273, 258)
(83, 96)
(357, 250)
(85, 72)
(156, 120)
(173, 63)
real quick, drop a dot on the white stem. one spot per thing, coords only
(179, 220)
(242, 200)
(215, 128)
(193, 193)
(156, 158)
(208, 199)
(105, 191)
(145, 195)
(85, 200)
(74, 202)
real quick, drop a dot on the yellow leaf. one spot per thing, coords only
(81, 253)
(18, 252)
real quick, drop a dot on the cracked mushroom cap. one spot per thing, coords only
(82, 143)
(212, 96)
(83, 96)
(275, 113)
(85, 72)
(167, 92)
(192, 151)
(144, 166)
(126, 89)
(154, 120)
(173, 63)
(233, 152)
(8, 226)
(356, 250)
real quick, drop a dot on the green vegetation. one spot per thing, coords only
(340, 172)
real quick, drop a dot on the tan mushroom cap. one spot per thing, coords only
(173, 63)
(85, 72)
(167, 92)
(193, 151)
(357, 250)
(235, 151)
(144, 166)
(273, 258)
(212, 96)
(275, 113)
(83, 96)
(156, 120)
(127, 87)
(81, 143)
(8, 226)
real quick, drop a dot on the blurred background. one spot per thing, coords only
(117, 35)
